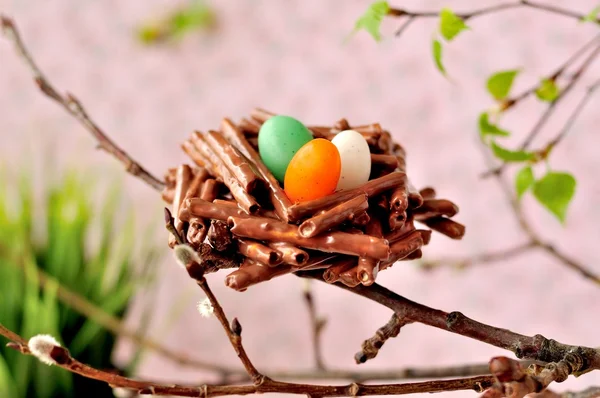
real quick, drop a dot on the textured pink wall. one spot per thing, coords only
(289, 57)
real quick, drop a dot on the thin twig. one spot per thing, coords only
(482, 258)
(63, 359)
(75, 109)
(116, 326)
(551, 107)
(412, 15)
(536, 348)
(317, 324)
(573, 117)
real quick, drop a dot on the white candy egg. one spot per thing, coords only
(356, 159)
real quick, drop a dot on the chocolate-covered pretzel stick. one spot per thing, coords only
(408, 244)
(350, 277)
(196, 185)
(360, 219)
(291, 254)
(232, 203)
(399, 197)
(373, 128)
(259, 252)
(261, 115)
(398, 233)
(333, 217)
(281, 203)
(168, 195)
(252, 272)
(415, 200)
(385, 162)
(321, 132)
(169, 177)
(249, 127)
(341, 125)
(396, 219)
(210, 190)
(435, 208)
(198, 227)
(183, 178)
(371, 188)
(338, 242)
(243, 198)
(190, 149)
(385, 143)
(234, 161)
(211, 211)
(427, 193)
(367, 268)
(412, 256)
(446, 226)
(333, 273)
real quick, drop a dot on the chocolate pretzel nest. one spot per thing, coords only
(230, 208)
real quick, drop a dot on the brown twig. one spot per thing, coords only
(370, 347)
(537, 348)
(515, 382)
(482, 258)
(63, 359)
(317, 324)
(75, 109)
(552, 106)
(412, 15)
(569, 124)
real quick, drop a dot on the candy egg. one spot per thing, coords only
(356, 159)
(279, 139)
(313, 172)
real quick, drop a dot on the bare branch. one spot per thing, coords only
(75, 109)
(482, 258)
(536, 348)
(370, 347)
(515, 382)
(63, 359)
(317, 324)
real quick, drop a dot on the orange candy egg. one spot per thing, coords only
(313, 172)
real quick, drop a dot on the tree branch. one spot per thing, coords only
(75, 109)
(482, 258)
(412, 15)
(536, 348)
(552, 106)
(317, 324)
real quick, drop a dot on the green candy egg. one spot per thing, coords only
(279, 139)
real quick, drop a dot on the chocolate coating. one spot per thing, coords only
(278, 198)
(333, 217)
(338, 242)
(371, 188)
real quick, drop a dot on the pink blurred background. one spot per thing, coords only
(290, 57)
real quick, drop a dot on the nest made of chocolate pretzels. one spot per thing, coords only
(231, 209)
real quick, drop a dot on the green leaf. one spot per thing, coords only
(508, 155)
(486, 128)
(592, 16)
(371, 19)
(437, 56)
(499, 84)
(524, 180)
(197, 16)
(451, 24)
(555, 191)
(547, 90)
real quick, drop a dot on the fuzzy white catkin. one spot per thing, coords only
(184, 254)
(41, 346)
(205, 308)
